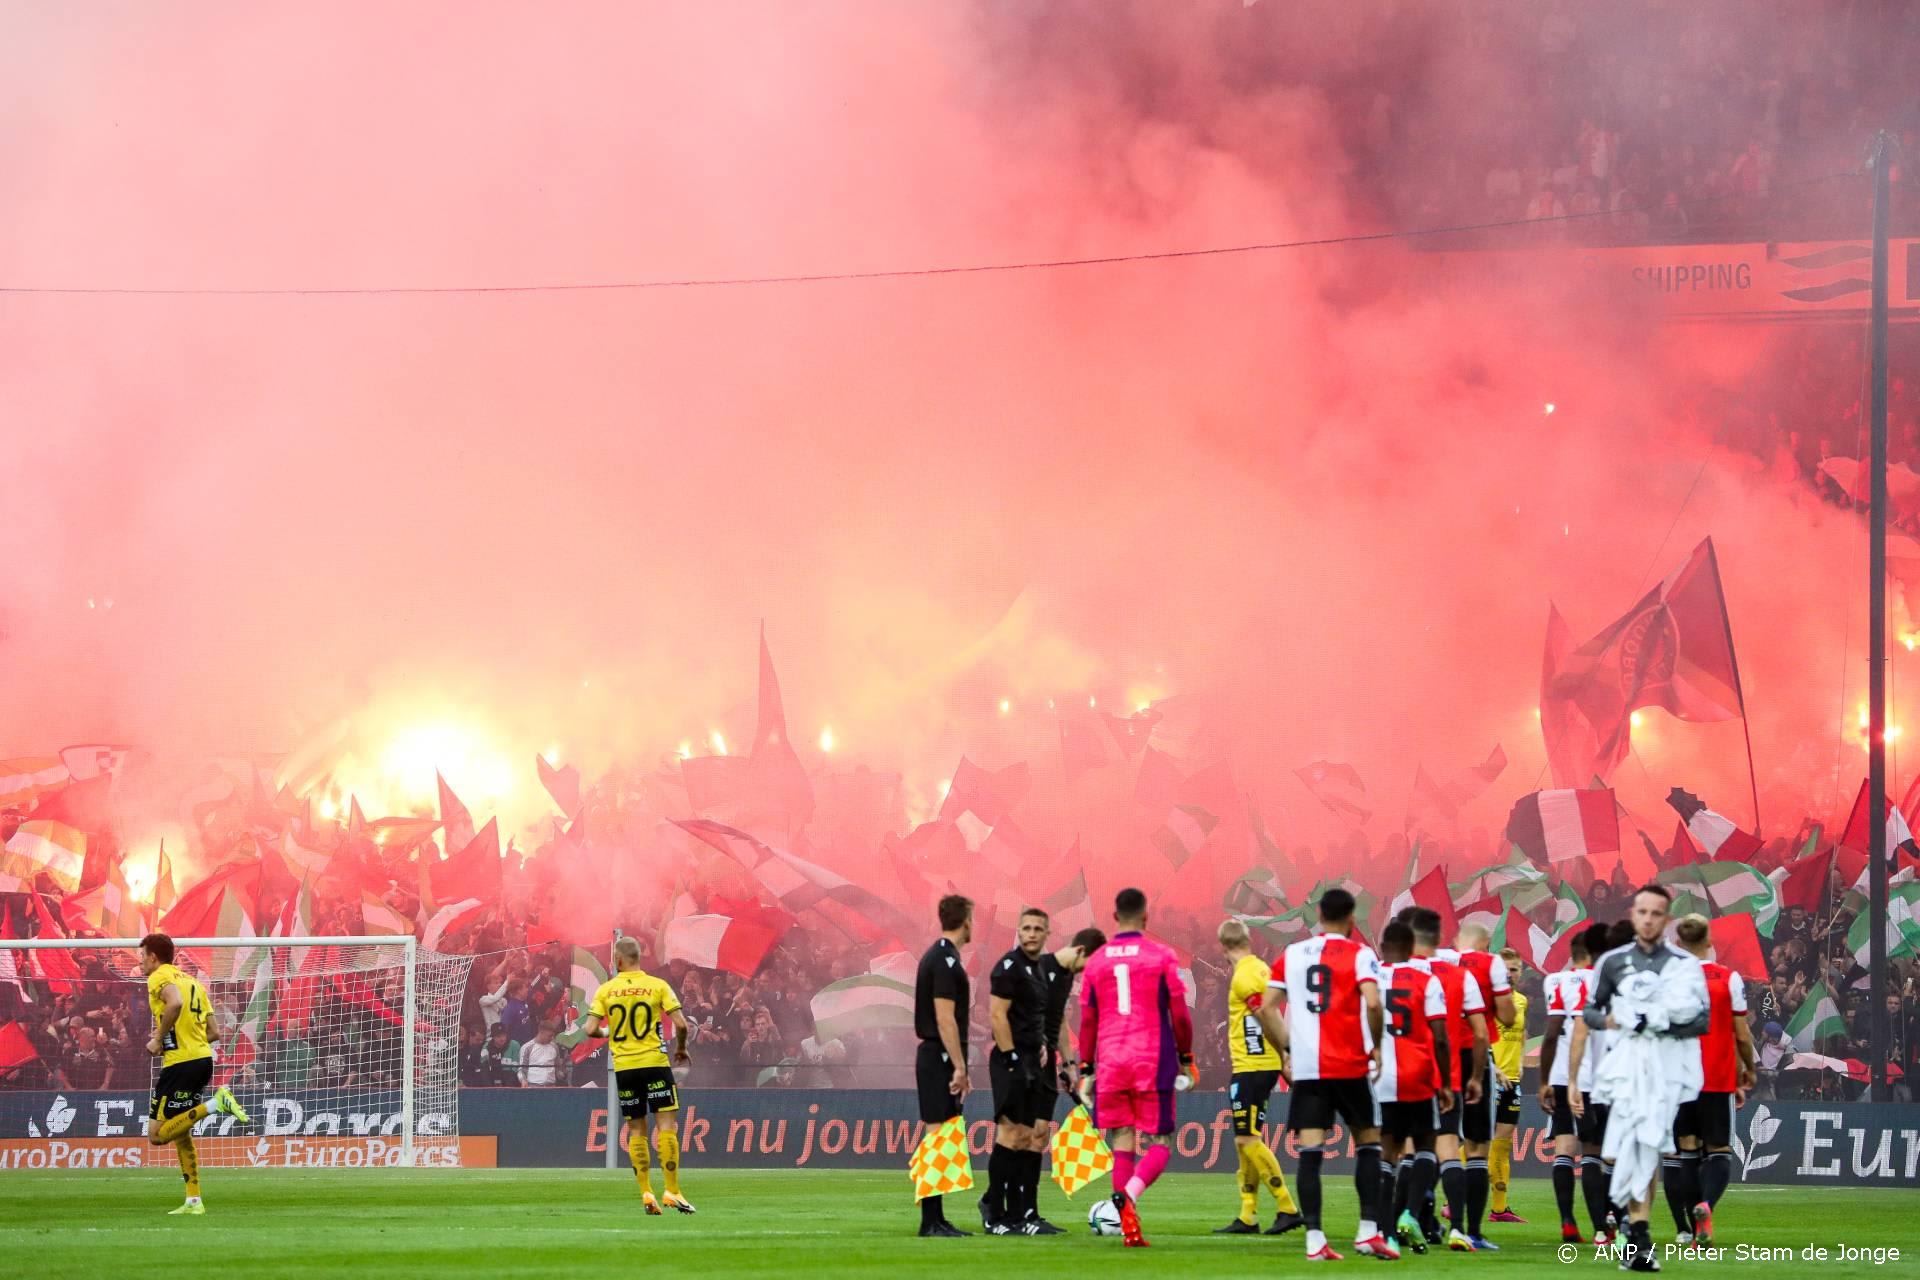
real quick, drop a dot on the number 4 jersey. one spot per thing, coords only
(1326, 1013)
(633, 1004)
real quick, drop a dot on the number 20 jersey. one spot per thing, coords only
(633, 1004)
(1326, 1013)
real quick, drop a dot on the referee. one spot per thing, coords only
(941, 995)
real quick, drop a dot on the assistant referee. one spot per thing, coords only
(941, 996)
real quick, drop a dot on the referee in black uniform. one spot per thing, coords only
(1018, 1067)
(941, 995)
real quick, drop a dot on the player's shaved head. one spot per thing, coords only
(1130, 907)
(1425, 923)
(1396, 942)
(1472, 937)
(1695, 933)
(1232, 935)
(626, 953)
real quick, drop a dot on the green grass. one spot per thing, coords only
(567, 1223)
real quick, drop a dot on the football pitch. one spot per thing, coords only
(568, 1223)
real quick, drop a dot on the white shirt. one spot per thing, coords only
(539, 1063)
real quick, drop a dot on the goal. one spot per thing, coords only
(344, 1051)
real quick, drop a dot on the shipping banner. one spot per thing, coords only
(1754, 281)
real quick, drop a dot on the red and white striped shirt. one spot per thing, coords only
(1719, 1054)
(1409, 1069)
(1566, 998)
(1321, 977)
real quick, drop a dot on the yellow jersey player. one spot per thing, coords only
(184, 1033)
(1256, 1069)
(631, 1011)
(1510, 1057)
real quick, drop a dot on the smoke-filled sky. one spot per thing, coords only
(1315, 481)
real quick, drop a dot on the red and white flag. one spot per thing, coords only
(1559, 826)
(719, 942)
(1337, 786)
(24, 778)
(1715, 835)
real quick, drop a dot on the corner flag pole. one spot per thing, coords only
(1880, 160)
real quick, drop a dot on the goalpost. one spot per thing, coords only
(345, 1051)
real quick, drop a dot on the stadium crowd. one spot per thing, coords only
(522, 996)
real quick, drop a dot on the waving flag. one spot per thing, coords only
(779, 778)
(719, 942)
(1429, 891)
(455, 821)
(1736, 944)
(1804, 883)
(1338, 787)
(95, 759)
(990, 796)
(796, 884)
(1559, 826)
(1716, 836)
(1673, 649)
(1818, 1018)
(563, 784)
(1183, 832)
(25, 778)
(475, 871)
(940, 1164)
(864, 1002)
(50, 848)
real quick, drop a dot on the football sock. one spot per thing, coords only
(1309, 1180)
(1426, 1172)
(1500, 1165)
(642, 1163)
(1563, 1186)
(1383, 1197)
(1593, 1189)
(173, 1126)
(1453, 1183)
(1267, 1166)
(1402, 1188)
(931, 1215)
(670, 1161)
(999, 1173)
(1691, 1193)
(1366, 1184)
(1249, 1184)
(1675, 1187)
(1477, 1184)
(1123, 1162)
(189, 1164)
(1148, 1170)
(1015, 1194)
(1715, 1176)
(1030, 1185)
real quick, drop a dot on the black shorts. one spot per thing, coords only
(933, 1080)
(1020, 1087)
(1560, 1124)
(1593, 1125)
(1708, 1117)
(180, 1087)
(1476, 1118)
(1506, 1109)
(1248, 1093)
(1416, 1120)
(1314, 1103)
(646, 1089)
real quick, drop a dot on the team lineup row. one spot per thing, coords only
(1395, 1044)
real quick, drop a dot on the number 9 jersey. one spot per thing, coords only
(1326, 1014)
(633, 1005)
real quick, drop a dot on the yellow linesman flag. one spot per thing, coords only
(941, 1164)
(1080, 1154)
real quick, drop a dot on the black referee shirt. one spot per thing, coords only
(1017, 979)
(942, 976)
(1059, 984)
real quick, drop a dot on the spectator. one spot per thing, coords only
(499, 1060)
(542, 1063)
(87, 1064)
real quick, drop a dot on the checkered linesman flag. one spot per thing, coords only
(1080, 1154)
(941, 1164)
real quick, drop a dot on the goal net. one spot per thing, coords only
(344, 1051)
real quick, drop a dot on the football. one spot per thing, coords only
(1103, 1219)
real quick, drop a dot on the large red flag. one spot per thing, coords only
(455, 821)
(1805, 884)
(1736, 944)
(1673, 649)
(991, 797)
(1337, 786)
(779, 778)
(563, 784)
(474, 872)
(16, 1048)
